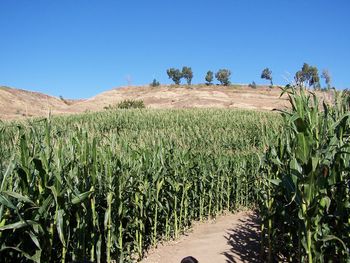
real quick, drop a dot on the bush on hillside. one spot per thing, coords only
(252, 85)
(155, 83)
(127, 104)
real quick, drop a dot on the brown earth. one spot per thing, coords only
(17, 103)
(230, 238)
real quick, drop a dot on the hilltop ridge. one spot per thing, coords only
(19, 103)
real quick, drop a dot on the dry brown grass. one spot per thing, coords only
(16, 103)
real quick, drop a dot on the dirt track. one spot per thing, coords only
(230, 238)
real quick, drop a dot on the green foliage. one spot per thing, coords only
(327, 77)
(308, 75)
(106, 186)
(252, 85)
(127, 104)
(223, 76)
(305, 186)
(175, 75)
(315, 78)
(209, 78)
(267, 74)
(187, 74)
(155, 83)
(131, 104)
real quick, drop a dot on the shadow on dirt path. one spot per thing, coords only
(244, 241)
(230, 238)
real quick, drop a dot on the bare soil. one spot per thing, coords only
(230, 238)
(17, 103)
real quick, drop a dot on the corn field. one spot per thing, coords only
(107, 186)
(305, 187)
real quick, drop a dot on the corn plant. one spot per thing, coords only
(107, 186)
(305, 189)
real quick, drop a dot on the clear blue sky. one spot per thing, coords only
(79, 48)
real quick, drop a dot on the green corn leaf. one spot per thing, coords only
(295, 168)
(81, 197)
(98, 249)
(302, 150)
(332, 237)
(341, 122)
(6, 202)
(19, 197)
(60, 226)
(43, 209)
(314, 162)
(274, 181)
(325, 202)
(18, 225)
(8, 171)
(36, 257)
(106, 219)
(34, 239)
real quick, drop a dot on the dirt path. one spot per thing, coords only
(230, 238)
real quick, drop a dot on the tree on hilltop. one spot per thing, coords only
(154, 83)
(175, 75)
(314, 78)
(223, 76)
(187, 74)
(308, 75)
(267, 74)
(209, 78)
(327, 77)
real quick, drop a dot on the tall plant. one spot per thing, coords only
(306, 188)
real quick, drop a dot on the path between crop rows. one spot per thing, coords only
(230, 238)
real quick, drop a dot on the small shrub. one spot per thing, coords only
(252, 85)
(64, 100)
(131, 104)
(127, 104)
(155, 83)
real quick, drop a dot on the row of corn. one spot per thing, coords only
(305, 183)
(107, 186)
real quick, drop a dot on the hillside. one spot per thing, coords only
(189, 97)
(17, 103)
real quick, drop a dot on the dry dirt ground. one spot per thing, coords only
(230, 238)
(17, 103)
